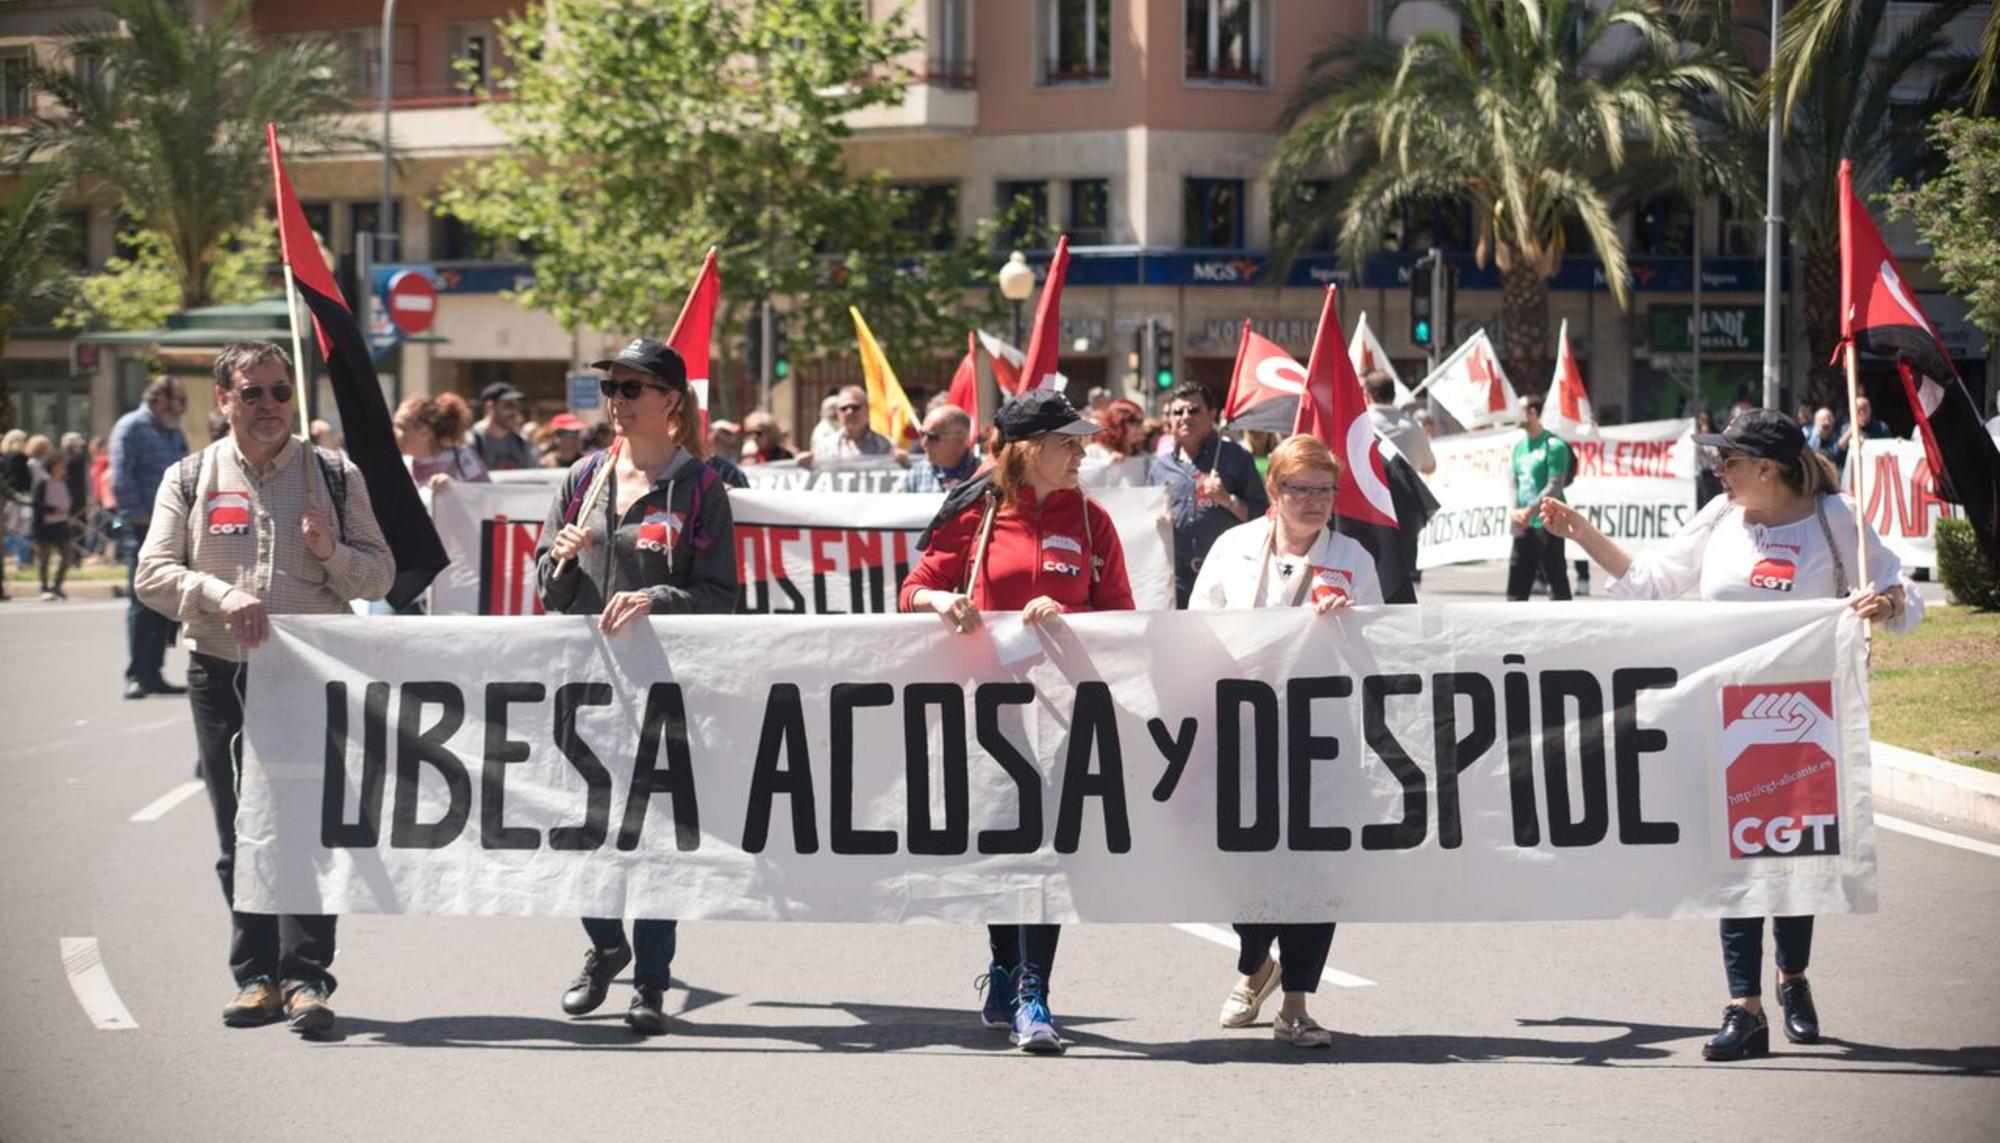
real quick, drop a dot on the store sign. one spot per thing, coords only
(1725, 329)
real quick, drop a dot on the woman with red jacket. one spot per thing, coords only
(1021, 536)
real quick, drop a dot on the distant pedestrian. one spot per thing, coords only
(145, 443)
(948, 459)
(1538, 470)
(430, 433)
(764, 441)
(16, 482)
(497, 436)
(55, 508)
(853, 437)
(1118, 456)
(1212, 483)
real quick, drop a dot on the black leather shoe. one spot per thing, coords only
(587, 991)
(647, 1015)
(134, 689)
(1743, 1033)
(1801, 1018)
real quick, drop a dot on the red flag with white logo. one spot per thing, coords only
(1045, 343)
(1008, 363)
(1567, 412)
(1334, 410)
(1879, 315)
(691, 329)
(1264, 372)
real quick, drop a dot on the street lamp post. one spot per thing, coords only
(1017, 283)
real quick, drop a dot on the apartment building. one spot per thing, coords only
(1142, 128)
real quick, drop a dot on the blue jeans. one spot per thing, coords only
(652, 946)
(147, 632)
(1743, 950)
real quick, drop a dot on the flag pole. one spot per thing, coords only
(299, 364)
(1854, 450)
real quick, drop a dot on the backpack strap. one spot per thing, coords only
(188, 472)
(334, 473)
(1832, 548)
(584, 473)
(704, 481)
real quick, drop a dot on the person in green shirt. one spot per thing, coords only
(1540, 468)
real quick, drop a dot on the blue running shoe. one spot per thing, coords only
(998, 985)
(1034, 1029)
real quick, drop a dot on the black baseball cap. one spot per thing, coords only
(500, 391)
(1037, 411)
(1765, 434)
(649, 356)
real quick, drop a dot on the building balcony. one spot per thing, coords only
(942, 100)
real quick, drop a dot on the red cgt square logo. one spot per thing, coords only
(1780, 750)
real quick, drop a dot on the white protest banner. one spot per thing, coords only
(1902, 499)
(866, 475)
(797, 552)
(1635, 482)
(1421, 763)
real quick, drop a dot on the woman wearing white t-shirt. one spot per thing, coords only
(1781, 531)
(1290, 557)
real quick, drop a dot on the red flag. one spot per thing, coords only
(964, 391)
(1008, 364)
(1045, 343)
(1264, 372)
(357, 393)
(1334, 410)
(1879, 314)
(691, 331)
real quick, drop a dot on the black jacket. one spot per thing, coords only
(677, 543)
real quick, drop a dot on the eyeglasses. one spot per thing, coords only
(1306, 491)
(1719, 462)
(251, 394)
(849, 408)
(1184, 411)
(630, 390)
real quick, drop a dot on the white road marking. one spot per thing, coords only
(1227, 939)
(1937, 835)
(158, 807)
(92, 985)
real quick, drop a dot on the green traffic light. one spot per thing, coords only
(1422, 333)
(1164, 379)
(781, 369)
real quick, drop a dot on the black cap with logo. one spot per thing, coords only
(1762, 433)
(1037, 411)
(649, 356)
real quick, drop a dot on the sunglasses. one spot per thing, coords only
(849, 408)
(1719, 462)
(1185, 411)
(630, 390)
(251, 394)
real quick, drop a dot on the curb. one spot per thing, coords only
(93, 589)
(1957, 793)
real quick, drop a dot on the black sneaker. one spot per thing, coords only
(600, 968)
(647, 1015)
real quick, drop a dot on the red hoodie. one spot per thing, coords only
(1035, 549)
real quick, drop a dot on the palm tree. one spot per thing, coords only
(168, 115)
(32, 231)
(1841, 99)
(1538, 116)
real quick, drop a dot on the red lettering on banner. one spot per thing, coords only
(822, 562)
(864, 550)
(750, 558)
(779, 537)
(1923, 500)
(1885, 495)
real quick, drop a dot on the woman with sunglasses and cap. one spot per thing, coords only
(1781, 530)
(1289, 557)
(1021, 536)
(657, 541)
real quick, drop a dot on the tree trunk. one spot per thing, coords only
(1524, 327)
(1822, 317)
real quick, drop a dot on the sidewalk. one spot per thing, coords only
(1958, 794)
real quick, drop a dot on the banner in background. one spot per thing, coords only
(1451, 762)
(1900, 495)
(798, 553)
(860, 476)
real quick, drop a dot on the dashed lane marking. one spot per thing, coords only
(92, 985)
(158, 807)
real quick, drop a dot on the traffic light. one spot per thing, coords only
(753, 344)
(1163, 356)
(781, 349)
(1423, 330)
(1447, 306)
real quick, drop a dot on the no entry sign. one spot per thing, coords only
(412, 302)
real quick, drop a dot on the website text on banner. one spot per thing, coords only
(1636, 482)
(1416, 763)
(798, 553)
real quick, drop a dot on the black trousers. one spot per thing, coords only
(147, 632)
(1536, 550)
(1302, 951)
(1032, 945)
(1743, 950)
(284, 948)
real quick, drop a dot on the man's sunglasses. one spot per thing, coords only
(850, 408)
(251, 394)
(630, 390)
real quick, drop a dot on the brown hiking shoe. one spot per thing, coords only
(306, 1010)
(257, 1002)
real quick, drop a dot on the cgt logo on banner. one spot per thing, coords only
(1776, 571)
(1331, 583)
(797, 553)
(1781, 748)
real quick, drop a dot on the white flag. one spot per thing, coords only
(1365, 350)
(1567, 412)
(1472, 387)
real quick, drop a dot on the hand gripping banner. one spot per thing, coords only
(1451, 762)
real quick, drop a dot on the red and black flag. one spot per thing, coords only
(1333, 409)
(364, 415)
(1880, 315)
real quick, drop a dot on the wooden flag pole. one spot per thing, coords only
(596, 491)
(1855, 454)
(300, 371)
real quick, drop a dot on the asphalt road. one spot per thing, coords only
(450, 1027)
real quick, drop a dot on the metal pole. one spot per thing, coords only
(766, 352)
(1438, 333)
(1698, 202)
(1773, 224)
(388, 92)
(1017, 328)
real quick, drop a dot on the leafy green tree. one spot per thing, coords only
(140, 290)
(1540, 115)
(1845, 98)
(168, 116)
(32, 232)
(1958, 213)
(643, 133)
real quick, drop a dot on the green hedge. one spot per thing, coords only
(1963, 567)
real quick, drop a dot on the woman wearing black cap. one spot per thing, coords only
(659, 541)
(1779, 531)
(1021, 536)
